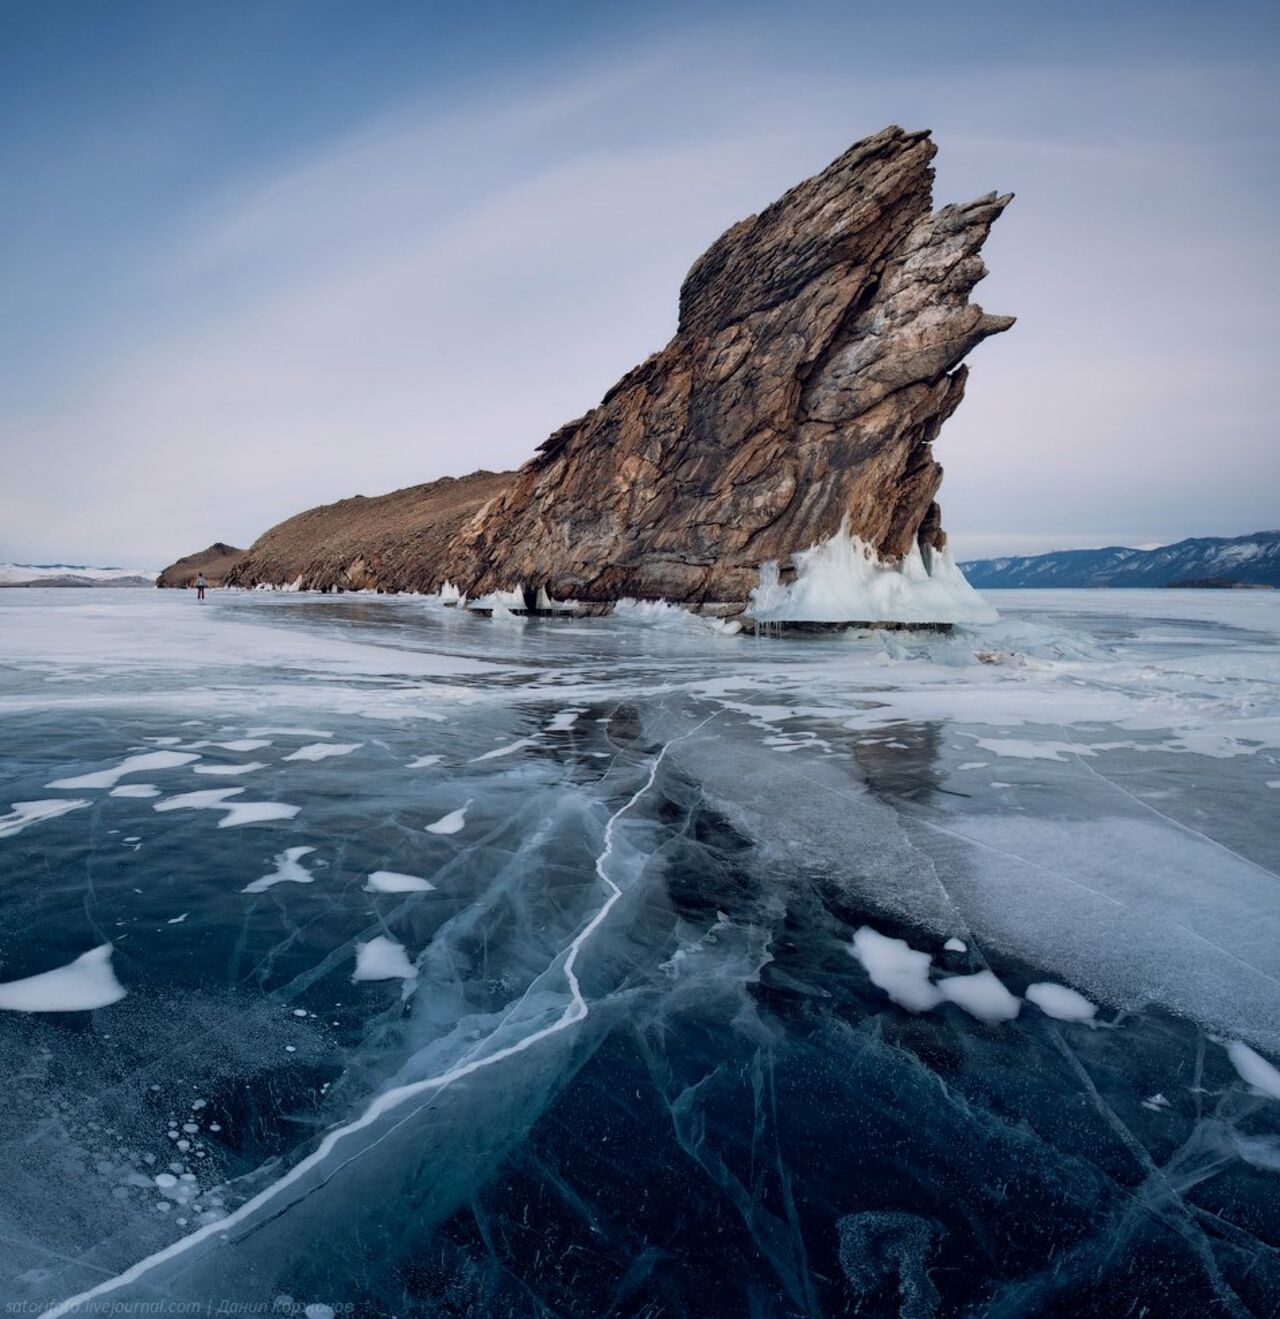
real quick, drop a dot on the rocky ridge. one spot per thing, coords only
(215, 562)
(817, 355)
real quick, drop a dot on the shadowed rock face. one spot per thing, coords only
(215, 562)
(817, 356)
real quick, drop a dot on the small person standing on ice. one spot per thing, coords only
(200, 585)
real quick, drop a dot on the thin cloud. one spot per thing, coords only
(441, 286)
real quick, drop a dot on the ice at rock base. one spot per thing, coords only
(663, 614)
(500, 600)
(841, 580)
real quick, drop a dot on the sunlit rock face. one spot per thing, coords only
(817, 356)
(395, 542)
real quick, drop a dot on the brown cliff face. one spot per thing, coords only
(817, 356)
(815, 362)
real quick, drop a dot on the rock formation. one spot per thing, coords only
(817, 355)
(215, 562)
(815, 362)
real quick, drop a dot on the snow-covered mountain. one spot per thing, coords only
(73, 574)
(1212, 560)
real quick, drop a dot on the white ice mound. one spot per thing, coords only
(842, 580)
(662, 614)
(549, 606)
(80, 986)
(499, 600)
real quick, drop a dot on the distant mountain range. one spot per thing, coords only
(1201, 561)
(72, 574)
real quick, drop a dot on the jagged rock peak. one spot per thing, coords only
(818, 354)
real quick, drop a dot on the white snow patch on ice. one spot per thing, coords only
(954, 945)
(87, 983)
(229, 770)
(389, 881)
(897, 968)
(23, 813)
(508, 750)
(237, 813)
(108, 778)
(1060, 1002)
(1254, 1069)
(288, 731)
(565, 720)
(323, 750)
(1024, 749)
(843, 580)
(135, 790)
(451, 823)
(383, 959)
(238, 744)
(287, 871)
(981, 995)
(424, 762)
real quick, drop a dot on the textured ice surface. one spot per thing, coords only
(638, 1070)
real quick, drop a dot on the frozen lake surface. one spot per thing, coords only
(360, 955)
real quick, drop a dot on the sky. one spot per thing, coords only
(261, 255)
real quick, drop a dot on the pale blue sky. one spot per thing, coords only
(258, 256)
